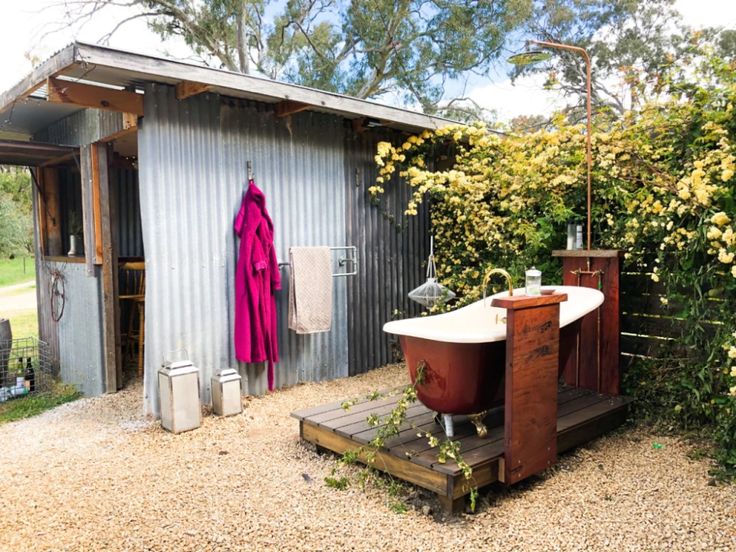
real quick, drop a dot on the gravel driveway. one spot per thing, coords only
(95, 475)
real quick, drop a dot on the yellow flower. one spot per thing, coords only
(732, 352)
(720, 219)
(684, 194)
(405, 146)
(725, 257)
(733, 271)
(728, 236)
(713, 233)
(732, 391)
(655, 277)
(726, 175)
(733, 371)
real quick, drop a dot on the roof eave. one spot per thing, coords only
(53, 65)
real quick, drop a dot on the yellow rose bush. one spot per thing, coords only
(663, 192)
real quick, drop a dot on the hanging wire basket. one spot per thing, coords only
(431, 292)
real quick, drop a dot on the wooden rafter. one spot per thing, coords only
(98, 97)
(187, 89)
(288, 107)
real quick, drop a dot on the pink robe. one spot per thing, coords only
(256, 279)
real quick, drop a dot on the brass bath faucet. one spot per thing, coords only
(502, 272)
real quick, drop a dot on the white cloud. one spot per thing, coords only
(708, 13)
(526, 97)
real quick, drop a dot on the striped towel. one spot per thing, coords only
(310, 289)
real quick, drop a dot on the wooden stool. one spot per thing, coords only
(134, 338)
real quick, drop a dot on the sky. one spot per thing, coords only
(27, 36)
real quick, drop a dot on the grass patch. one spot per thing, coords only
(32, 405)
(12, 270)
(24, 323)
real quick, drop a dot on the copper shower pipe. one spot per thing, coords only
(589, 126)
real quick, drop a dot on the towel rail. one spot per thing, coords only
(341, 261)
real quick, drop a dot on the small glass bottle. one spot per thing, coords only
(571, 234)
(533, 282)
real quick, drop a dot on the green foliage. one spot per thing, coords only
(16, 221)
(337, 483)
(632, 43)
(664, 192)
(32, 405)
(363, 48)
(16, 270)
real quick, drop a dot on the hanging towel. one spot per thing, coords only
(310, 289)
(256, 280)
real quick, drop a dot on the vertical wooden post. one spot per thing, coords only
(532, 362)
(86, 169)
(52, 212)
(110, 319)
(596, 364)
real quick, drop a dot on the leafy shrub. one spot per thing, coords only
(664, 191)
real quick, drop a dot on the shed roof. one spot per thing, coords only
(24, 110)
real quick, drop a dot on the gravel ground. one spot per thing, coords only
(95, 475)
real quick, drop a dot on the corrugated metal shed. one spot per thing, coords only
(192, 158)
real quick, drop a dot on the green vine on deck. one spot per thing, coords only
(390, 426)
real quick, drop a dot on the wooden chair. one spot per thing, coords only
(134, 288)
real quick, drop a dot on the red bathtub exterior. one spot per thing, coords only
(466, 378)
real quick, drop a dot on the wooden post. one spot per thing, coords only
(52, 213)
(596, 364)
(532, 362)
(110, 319)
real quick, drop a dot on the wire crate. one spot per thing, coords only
(25, 368)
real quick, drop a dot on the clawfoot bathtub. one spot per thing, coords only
(462, 353)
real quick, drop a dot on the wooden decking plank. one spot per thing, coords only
(592, 428)
(339, 412)
(474, 448)
(570, 399)
(424, 477)
(320, 409)
(606, 404)
(359, 425)
(407, 433)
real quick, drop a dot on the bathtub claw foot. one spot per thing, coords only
(480, 427)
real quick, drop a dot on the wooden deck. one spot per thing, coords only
(582, 415)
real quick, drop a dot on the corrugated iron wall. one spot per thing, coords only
(79, 330)
(129, 237)
(393, 250)
(192, 158)
(82, 128)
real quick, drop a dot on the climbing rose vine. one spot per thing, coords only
(664, 191)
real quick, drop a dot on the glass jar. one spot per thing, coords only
(533, 282)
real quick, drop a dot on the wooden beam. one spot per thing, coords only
(41, 212)
(288, 107)
(96, 215)
(38, 76)
(98, 97)
(88, 225)
(110, 321)
(187, 89)
(52, 212)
